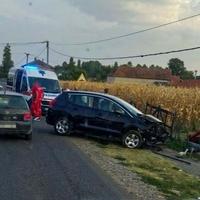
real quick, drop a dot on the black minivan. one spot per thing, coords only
(104, 115)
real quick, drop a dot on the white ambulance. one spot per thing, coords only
(21, 80)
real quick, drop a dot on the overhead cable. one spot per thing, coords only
(41, 52)
(128, 34)
(126, 57)
(20, 43)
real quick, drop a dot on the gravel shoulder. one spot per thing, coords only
(130, 181)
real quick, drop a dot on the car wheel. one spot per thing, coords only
(132, 139)
(28, 137)
(63, 126)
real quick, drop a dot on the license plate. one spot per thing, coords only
(8, 126)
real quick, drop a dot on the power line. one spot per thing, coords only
(41, 52)
(128, 34)
(60, 53)
(21, 43)
(126, 57)
(29, 54)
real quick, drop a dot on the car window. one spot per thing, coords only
(24, 85)
(109, 106)
(117, 109)
(81, 100)
(10, 81)
(49, 85)
(12, 102)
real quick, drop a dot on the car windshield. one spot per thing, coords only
(12, 102)
(133, 110)
(49, 85)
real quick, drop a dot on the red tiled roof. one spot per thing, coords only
(40, 63)
(142, 73)
(187, 83)
(175, 80)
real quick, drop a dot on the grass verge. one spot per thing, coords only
(155, 170)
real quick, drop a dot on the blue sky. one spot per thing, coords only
(68, 21)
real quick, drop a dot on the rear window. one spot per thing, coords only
(12, 102)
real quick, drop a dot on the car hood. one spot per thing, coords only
(150, 118)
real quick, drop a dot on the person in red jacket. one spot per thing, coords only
(37, 95)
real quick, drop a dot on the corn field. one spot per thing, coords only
(185, 102)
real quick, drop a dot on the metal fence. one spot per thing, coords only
(167, 117)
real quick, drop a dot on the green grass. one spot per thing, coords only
(155, 170)
(177, 144)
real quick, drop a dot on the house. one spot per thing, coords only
(144, 75)
(187, 83)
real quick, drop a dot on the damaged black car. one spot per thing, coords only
(104, 115)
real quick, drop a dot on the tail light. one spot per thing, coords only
(52, 103)
(27, 116)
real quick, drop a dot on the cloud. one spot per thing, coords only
(12, 10)
(68, 21)
(105, 10)
(137, 12)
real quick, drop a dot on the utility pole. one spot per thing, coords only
(195, 74)
(47, 45)
(27, 56)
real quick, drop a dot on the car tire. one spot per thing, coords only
(28, 137)
(132, 139)
(63, 126)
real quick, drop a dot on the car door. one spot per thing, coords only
(118, 118)
(100, 121)
(81, 106)
(109, 118)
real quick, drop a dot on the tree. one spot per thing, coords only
(115, 64)
(130, 64)
(93, 69)
(138, 65)
(152, 66)
(176, 66)
(187, 75)
(144, 66)
(1, 72)
(71, 62)
(64, 65)
(7, 62)
(79, 63)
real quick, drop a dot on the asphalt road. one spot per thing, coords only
(50, 167)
